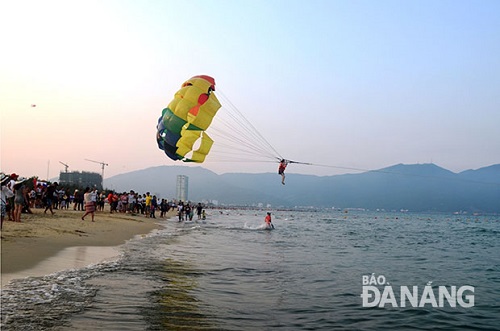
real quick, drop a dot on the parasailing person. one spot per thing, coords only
(281, 170)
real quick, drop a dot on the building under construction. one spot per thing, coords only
(81, 179)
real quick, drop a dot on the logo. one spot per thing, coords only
(378, 292)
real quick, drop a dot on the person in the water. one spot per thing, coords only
(268, 221)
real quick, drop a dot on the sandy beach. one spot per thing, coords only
(44, 243)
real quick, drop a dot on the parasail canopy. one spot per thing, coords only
(185, 120)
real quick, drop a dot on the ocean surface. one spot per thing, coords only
(228, 273)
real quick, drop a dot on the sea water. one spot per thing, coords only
(228, 273)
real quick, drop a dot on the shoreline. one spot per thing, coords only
(43, 243)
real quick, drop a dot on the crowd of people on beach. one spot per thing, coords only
(20, 195)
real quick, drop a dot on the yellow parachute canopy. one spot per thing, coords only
(186, 118)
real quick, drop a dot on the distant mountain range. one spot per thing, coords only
(417, 187)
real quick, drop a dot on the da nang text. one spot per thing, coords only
(377, 292)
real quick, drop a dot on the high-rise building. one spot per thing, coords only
(182, 187)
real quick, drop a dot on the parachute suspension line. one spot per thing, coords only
(239, 118)
(249, 149)
(399, 173)
(231, 134)
(346, 168)
(242, 134)
(232, 160)
(337, 167)
(246, 131)
(238, 140)
(229, 143)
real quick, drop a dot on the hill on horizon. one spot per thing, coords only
(415, 187)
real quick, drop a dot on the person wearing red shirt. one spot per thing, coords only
(281, 170)
(269, 225)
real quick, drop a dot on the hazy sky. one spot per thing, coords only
(355, 84)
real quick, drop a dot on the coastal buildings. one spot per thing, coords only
(81, 179)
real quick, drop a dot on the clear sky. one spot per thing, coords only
(355, 84)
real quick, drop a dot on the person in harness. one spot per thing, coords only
(281, 170)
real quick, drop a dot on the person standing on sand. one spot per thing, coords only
(111, 201)
(20, 191)
(49, 197)
(89, 204)
(163, 207)
(141, 203)
(154, 205)
(77, 200)
(147, 201)
(10, 200)
(6, 194)
(132, 200)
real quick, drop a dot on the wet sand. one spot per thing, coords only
(44, 243)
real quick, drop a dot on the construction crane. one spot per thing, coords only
(65, 166)
(103, 164)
